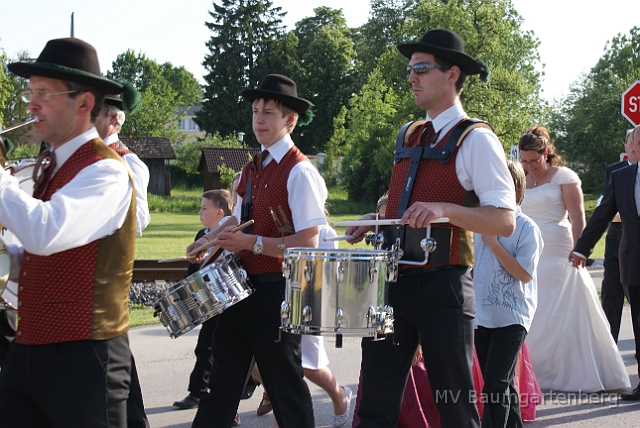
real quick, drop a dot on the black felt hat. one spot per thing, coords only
(68, 59)
(447, 45)
(280, 88)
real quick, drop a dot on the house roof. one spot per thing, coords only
(150, 147)
(235, 159)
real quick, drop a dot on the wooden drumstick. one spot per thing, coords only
(212, 243)
(382, 222)
(338, 238)
(173, 259)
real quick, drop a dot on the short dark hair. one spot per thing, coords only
(221, 198)
(446, 65)
(98, 95)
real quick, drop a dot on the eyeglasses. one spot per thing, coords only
(28, 95)
(532, 162)
(421, 67)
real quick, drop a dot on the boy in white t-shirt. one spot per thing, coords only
(505, 283)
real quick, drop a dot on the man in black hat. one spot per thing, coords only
(283, 179)
(70, 362)
(470, 186)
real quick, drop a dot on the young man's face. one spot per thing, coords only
(268, 124)
(429, 88)
(60, 117)
(210, 215)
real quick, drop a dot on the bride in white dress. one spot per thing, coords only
(569, 341)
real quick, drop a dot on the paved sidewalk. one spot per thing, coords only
(164, 365)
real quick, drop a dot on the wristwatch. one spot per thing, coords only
(258, 247)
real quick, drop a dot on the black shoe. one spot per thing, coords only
(191, 401)
(631, 396)
(251, 386)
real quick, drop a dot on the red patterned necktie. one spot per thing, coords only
(263, 156)
(428, 134)
(42, 173)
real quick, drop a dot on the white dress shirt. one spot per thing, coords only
(92, 205)
(140, 174)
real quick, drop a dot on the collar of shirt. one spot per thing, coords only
(110, 139)
(447, 119)
(65, 151)
(279, 149)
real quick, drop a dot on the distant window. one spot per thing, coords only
(188, 124)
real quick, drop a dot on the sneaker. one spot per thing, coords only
(340, 420)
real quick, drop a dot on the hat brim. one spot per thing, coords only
(55, 71)
(298, 104)
(468, 64)
(113, 102)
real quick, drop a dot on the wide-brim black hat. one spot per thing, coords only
(280, 88)
(447, 45)
(68, 59)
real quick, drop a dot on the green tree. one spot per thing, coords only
(587, 124)
(12, 109)
(491, 29)
(328, 61)
(241, 31)
(163, 88)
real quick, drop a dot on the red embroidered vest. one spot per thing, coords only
(81, 293)
(268, 189)
(120, 148)
(435, 182)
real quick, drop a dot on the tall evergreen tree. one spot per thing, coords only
(242, 30)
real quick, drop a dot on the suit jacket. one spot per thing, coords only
(613, 167)
(618, 197)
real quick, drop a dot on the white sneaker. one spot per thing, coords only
(340, 420)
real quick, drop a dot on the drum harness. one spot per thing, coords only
(416, 154)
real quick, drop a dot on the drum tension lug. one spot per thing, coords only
(339, 340)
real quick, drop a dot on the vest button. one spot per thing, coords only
(20, 288)
(19, 318)
(19, 333)
(24, 273)
(257, 175)
(19, 303)
(28, 258)
(253, 196)
(265, 186)
(255, 186)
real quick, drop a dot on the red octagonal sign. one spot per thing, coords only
(631, 103)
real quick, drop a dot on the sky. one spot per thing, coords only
(572, 35)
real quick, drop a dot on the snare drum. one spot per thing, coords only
(24, 173)
(202, 295)
(337, 291)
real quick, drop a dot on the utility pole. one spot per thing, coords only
(72, 24)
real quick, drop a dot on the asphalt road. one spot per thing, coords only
(164, 365)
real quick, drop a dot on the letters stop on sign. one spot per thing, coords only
(630, 107)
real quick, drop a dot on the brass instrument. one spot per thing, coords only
(32, 119)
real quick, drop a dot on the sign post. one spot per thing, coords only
(630, 107)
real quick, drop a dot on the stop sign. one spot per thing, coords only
(631, 103)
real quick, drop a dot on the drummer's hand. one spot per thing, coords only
(576, 260)
(235, 241)
(359, 232)
(200, 256)
(421, 214)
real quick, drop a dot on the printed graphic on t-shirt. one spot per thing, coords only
(501, 291)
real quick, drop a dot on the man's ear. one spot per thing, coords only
(87, 101)
(113, 120)
(291, 118)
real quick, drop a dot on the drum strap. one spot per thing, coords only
(425, 151)
(245, 212)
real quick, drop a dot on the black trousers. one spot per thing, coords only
(612, 289)
(435, 309)
(497, 350)
(633, 293)
(136, 416)
(199, 378)
(66, 385)
(251, 328)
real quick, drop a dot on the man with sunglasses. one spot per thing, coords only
(434, 304)
(70, 363)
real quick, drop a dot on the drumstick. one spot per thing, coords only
(173, 259)
(338, 238)
(212, 243)
(385, 222)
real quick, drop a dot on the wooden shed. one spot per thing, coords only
(155, 152)
(212, 158)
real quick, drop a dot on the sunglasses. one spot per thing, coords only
(421, 67)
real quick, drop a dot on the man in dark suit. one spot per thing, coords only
(612, 289)
(620, 196)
